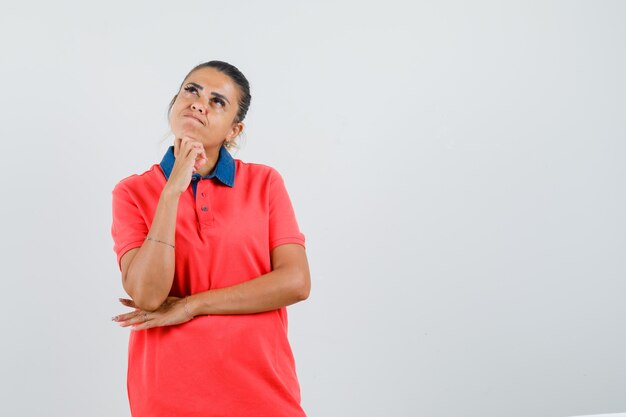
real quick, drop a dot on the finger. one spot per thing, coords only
(141, 323)
(200, 162)
(134, 319)
(126, 319)
(180, 148)
(202, 152)
(186, 143)
(127, 301)
(196, 158)
(139, 327)
(176, 146)
(190, 146)
(126, 316)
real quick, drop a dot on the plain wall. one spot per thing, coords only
(457, 169)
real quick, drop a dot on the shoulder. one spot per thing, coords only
(138, 181)
(255, 171)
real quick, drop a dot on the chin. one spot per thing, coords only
(187, 131)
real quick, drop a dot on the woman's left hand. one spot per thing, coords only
(171, 312)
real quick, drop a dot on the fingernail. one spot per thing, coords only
(114, 318)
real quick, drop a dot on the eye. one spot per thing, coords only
(218, 101)
(191, 88)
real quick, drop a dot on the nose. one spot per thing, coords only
(199, 107)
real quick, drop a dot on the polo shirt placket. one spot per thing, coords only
(206, 219)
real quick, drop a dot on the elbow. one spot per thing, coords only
(143, 298)
(304, 286)
(147, 300)
(303, 295)
(147, 303)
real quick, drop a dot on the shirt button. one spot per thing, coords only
(204, 208)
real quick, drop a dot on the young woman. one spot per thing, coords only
(211, 254)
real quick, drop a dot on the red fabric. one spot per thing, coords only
(213, 365)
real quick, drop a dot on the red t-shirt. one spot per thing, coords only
(214, 365)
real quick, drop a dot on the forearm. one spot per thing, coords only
(276, 289)
(151, 272)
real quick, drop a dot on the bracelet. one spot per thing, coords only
(160, 241)
(187, 311)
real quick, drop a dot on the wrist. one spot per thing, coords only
(170, 194)
(195, 303)
(186, 306)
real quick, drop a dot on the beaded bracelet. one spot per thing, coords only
(160, 241)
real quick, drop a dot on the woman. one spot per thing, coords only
(211, 254)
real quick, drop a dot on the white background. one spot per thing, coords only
(457, 168)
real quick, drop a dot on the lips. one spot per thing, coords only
(192, 116)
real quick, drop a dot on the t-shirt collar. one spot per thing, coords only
(224, 169)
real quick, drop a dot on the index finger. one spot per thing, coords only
(177, 142)
(127, 302)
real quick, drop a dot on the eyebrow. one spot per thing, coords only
(213, 93)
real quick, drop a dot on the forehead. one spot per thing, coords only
(214, 80)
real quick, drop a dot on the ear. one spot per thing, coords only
(235, 130)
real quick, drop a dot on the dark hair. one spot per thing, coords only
(235, 75)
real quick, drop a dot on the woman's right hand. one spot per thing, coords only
(190, 156)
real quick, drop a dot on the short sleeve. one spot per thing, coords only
(129, 228)
(283, 227)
